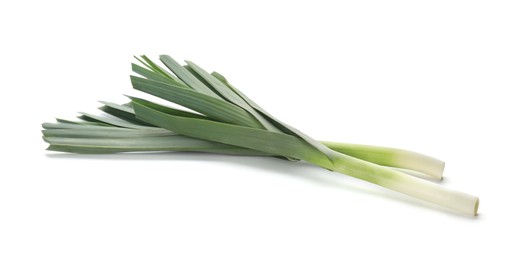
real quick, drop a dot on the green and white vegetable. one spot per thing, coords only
(221, 119)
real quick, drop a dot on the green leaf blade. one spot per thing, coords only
(228, 94)
(144, 144)
(187, 76)
(255, 139)
(214, 108)
(281, 125)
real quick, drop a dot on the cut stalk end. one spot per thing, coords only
(476, 206)
(420, 162)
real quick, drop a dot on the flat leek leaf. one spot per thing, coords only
(60, 120)
(109, 132)
(281, 125)
(154, 67)
(218, 86)
(152, 143)
(212, 107)
(64, 125)
(231, 96)
(123, 112)
(169, 110)
(113, 121)
(187, 76)
(146, 73)
(197, 76)
(251, 138)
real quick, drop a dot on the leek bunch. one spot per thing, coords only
(221, 119)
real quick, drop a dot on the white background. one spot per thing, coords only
(439, 77)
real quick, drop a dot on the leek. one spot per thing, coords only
(221, 119)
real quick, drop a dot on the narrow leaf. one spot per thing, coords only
(281, 125)
(123, 112)
(156, 76)
(154, 67)
(212, 107)
(186, 76)
(231, 96)
(161, 143)
(255, 139)
(113, 121)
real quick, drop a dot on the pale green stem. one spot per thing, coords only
(412, 173)
(392, 157)
(404, 183)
